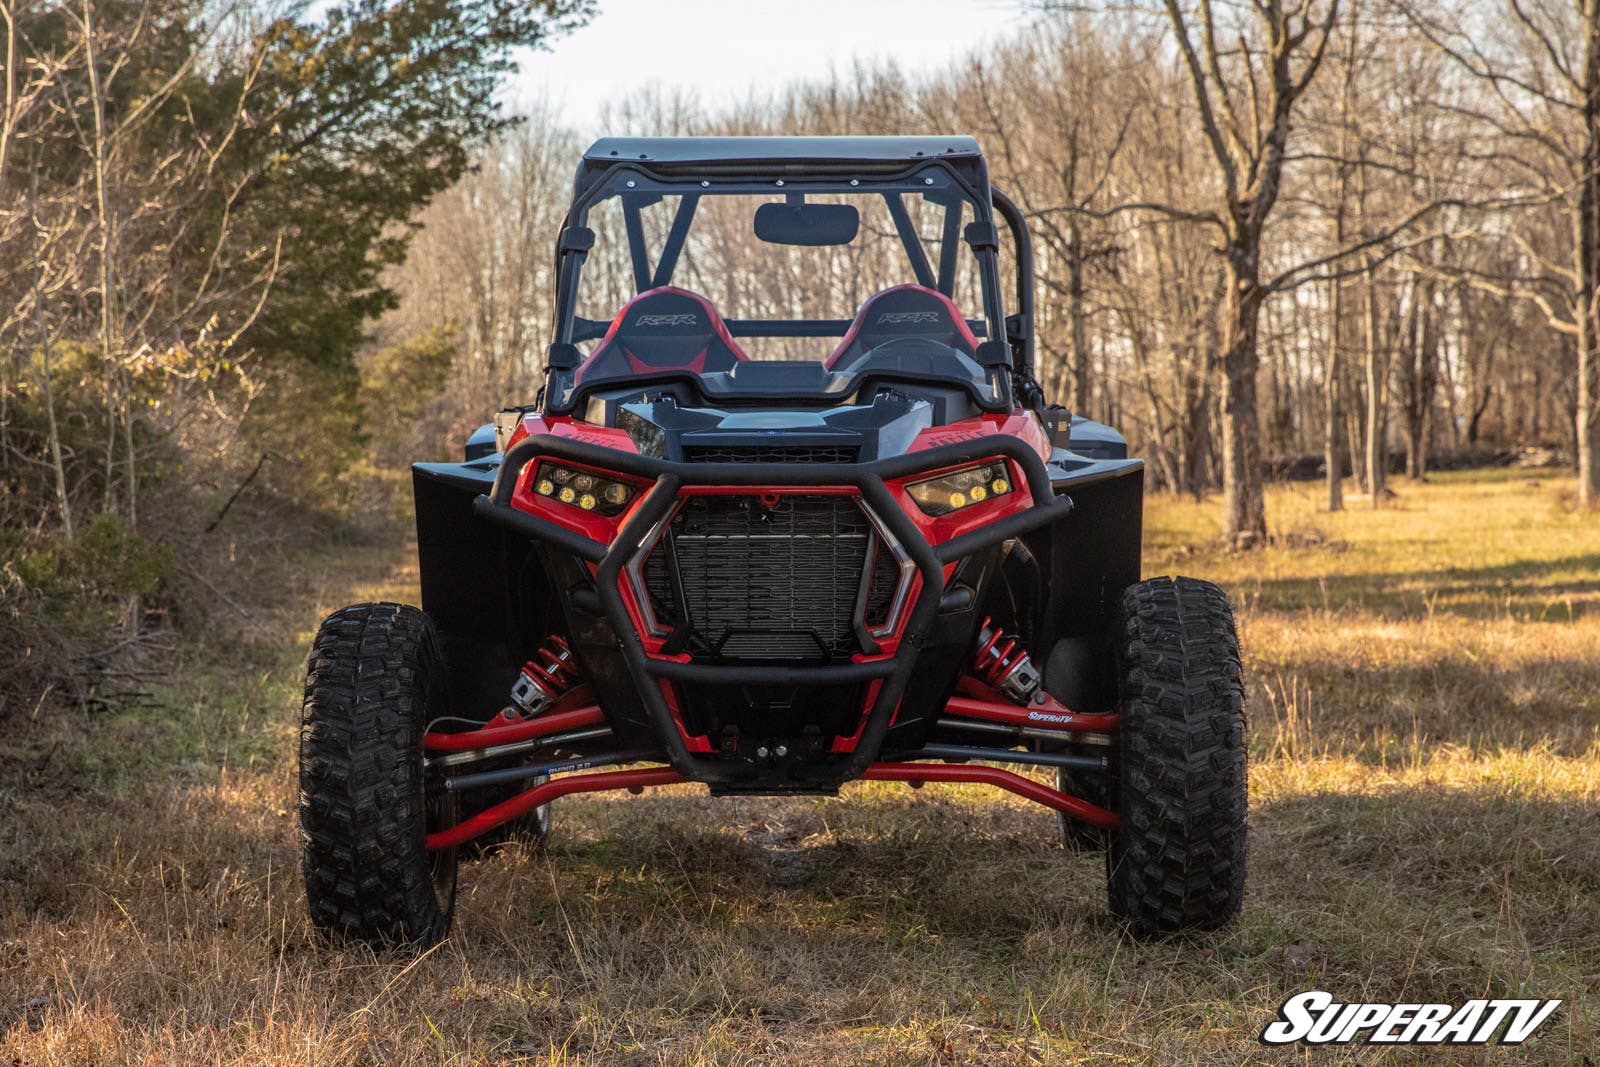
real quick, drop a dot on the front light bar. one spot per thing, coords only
(961, 489)
(581, 489)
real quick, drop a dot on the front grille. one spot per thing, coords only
(882, 583)
(770, 453)
(740, 578)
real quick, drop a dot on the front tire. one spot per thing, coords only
(1177, 860)
(375, 678)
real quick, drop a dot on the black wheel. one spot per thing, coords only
(535, 826)
(1068, 674)
(1079, 836)
(532, 829)
(1177, 861)
(375, 678)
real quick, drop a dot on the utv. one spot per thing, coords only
(791, 510)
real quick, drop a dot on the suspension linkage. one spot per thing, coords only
(499, 733)
(517, 774)
(553, 741)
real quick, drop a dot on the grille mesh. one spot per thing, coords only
(884, 580)
(759, 582)
(770, 453)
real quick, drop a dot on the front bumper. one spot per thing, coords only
(890, 675)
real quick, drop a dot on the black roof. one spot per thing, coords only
(789, 157)
(711, 150)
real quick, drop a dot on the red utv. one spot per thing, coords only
(790, 511)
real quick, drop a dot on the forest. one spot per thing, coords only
(1353, 232)
(255, 259)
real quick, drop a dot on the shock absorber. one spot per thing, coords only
(1003, 664)
(544, 680)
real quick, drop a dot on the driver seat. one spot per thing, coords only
(664, 329)
(903, 311)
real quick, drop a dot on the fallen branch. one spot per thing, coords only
(242, 487)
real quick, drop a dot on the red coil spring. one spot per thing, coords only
(995, 660)
(553, 669)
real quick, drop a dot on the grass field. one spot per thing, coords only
(1424, 695)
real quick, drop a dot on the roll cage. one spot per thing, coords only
(640, 172)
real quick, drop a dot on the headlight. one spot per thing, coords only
(961, 489)
(582, 489)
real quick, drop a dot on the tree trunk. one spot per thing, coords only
(1350, 383)
(1481, 391)
(1376, 368)
(1533, 431)
(1421, 381)
(1197, 431)
(1586, 429)
(1243, 506)
(1331, 463)
(1332, 380)
(1080, 322)
(58, 465)
(1417, 447)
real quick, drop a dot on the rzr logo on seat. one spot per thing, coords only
(907, 318)
(686, 318)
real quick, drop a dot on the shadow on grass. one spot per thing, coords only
(1453, 890)
(1530, 589)
(895, 869)
(930, 871)
(654, 919)
(926, 872)
(1448, 891)
(1363, 710)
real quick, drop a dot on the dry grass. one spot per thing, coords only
(1425, 693)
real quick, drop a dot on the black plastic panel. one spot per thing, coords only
(762, 580)
(771, 454)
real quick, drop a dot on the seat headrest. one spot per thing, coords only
(665, 312)
(904, 311)
(665, 329)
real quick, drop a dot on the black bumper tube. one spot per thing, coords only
(868, 478)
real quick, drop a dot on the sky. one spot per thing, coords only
(721, 50)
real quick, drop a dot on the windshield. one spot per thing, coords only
(794, 287)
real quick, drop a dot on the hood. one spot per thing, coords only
(847, 433)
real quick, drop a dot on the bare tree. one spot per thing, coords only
(1377, 181)
(1540, 70)
(1056, 114)
(1245, 96)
